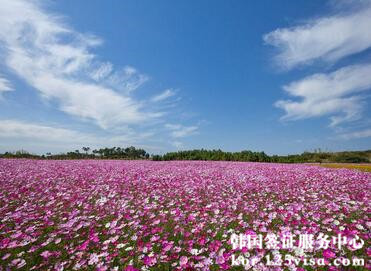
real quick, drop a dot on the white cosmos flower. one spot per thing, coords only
(360, 227)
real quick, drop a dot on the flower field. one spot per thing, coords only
(144, 215)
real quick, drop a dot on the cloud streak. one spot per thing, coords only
(5, 85)
(163, 96)
(179, 131)
(328, 94)
(328, 38)
(356, 135)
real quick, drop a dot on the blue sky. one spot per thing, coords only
(274, 76)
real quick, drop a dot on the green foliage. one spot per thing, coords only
(104, 153)
(216, 155)
(18, 154)
(316, 156)
(349, 157)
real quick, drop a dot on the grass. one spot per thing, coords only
(362, 167)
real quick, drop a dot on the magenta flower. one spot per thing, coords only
(84, 245)
(328, 254)
(149, 260)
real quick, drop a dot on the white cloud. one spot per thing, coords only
(329, 94)
(102, 71)
(358, 134)
(34, 133)
(19, 129)
(178, 131)
(327, 38)
(5, 85)
(177, 144)
(91, 101)
(57, 61)
(173, 126)
(127, 80)
(163, 96)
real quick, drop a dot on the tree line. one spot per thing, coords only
(131, 152)
(316, 156)
(86, 153)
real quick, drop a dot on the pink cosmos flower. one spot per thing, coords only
(4, 242)
(149, 260)
(130, 268)
(84, 245)
(46, 254)
(220, 260)
(6, 256)
(167, 247)
(94, 259)
(328, 254)
(191, 217)
(183, 261)
(202, 241)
